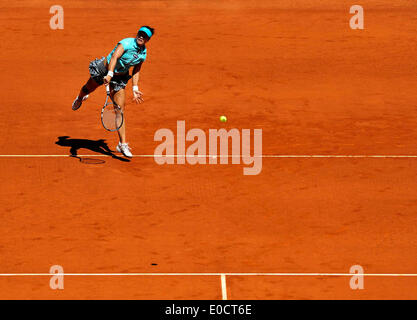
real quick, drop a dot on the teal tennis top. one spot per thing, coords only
(131, 56)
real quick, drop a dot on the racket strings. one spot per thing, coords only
(112, 117)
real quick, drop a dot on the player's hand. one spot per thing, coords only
(106, 80)
(137, 96)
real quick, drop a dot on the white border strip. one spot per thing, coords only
(213, 156)
(224, 287)
(215, 274)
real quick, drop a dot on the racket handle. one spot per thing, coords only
(108, 89)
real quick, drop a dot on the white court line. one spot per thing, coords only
(213, 156)
(215, 274)
(224, 287)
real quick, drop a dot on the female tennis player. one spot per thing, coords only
(114, 70)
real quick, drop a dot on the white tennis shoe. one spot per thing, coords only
(124, 149)
(77, 102)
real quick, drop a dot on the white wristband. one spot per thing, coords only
(110, 73)
(135, 88)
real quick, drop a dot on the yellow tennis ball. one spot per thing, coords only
(223, 118)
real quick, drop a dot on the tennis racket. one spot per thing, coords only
(111, 114)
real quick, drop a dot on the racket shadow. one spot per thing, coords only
(98, 146)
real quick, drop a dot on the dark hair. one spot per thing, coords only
(143, 34)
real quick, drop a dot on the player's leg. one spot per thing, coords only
(119, 98)
(97, 69)
(88, 88)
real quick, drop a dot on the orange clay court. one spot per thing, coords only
(294, 69)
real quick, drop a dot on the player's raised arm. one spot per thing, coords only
(116, 55)
(137, 95)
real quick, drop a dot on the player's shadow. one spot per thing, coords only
(98, 146)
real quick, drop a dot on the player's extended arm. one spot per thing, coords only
(137, 95)
(116, 55)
